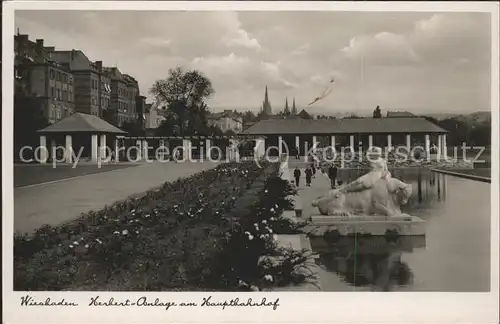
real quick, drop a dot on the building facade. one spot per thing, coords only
(39, 75)
(153, 117)
(87, 80)
(119, 104)
(227, 121)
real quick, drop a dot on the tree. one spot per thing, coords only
(377, 113)
(184, 94)
(133, 128)
(28, 118)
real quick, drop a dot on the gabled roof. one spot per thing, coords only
(79, 123)
(304, 114)
(343, 126)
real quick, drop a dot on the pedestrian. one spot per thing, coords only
(313, 168)
(296, 174)
(297, 153)
(332, 174)
(308, 176)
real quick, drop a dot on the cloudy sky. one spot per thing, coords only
(421, 62)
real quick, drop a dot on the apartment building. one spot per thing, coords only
(88, 81)
(38, 74)
(120, 102)
(226, 121)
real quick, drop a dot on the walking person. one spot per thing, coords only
(296, 174)
(332, 174)
(309, 174)
(297, 152)
(313, 169)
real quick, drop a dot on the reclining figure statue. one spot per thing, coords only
(375, 193)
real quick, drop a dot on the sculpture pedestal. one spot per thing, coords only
(374, 225)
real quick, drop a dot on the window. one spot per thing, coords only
(58, 76)
(65, 78)
(52, 74)
(52, 92)
(58, 94)
(70, 80)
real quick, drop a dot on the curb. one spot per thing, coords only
(463, 175)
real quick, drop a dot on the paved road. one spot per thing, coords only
(32, 174)
(59, 202)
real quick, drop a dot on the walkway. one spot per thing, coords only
(319, 186)
(59, 202)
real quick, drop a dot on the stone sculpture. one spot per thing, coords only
(375, 193)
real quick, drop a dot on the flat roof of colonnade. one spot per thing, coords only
(346, 126)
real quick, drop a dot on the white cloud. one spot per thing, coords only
(382, 47)
(235, 35)
(439, 38)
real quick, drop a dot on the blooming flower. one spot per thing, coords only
(86, 246)
(116, 232)
(272, 210)
(264, 222)
(98, 241)
(71, 246)
(124, 232)
(265, 191)
(275, 237)
(76, 243)
(132, 211)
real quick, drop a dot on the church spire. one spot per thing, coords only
(286, 111)
(294, 109)
(266, 106)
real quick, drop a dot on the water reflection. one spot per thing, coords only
(373, 262)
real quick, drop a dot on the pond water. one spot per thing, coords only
(453, 256)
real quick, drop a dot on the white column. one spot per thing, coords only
(138, 144)
(52, 148)
(103, 146)
(93, 147)
(43, 149)
(117, 150)
(351, 142)
(260, 147)
(69, 149)
(370, 141)
(445, 151)
(207, 148)
(145, 149)
(389, 142)
(332, 141)
(280, 146)
(440, 147)
(186, 144)
(408, 142)
(297, 142)
(314, 144)
(428, 145)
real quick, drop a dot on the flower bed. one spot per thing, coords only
(192, 234)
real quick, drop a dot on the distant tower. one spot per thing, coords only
(294, 109)
(266, 105)
(286, 111)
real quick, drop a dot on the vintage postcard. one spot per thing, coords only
(220, 162)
